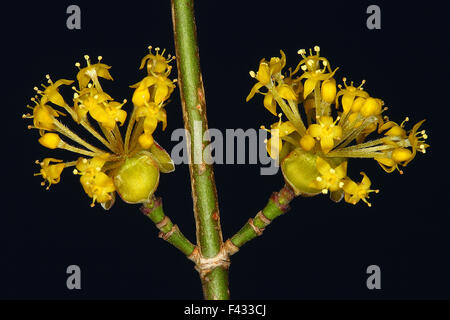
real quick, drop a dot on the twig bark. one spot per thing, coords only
(168, 231)
(214, 276)
(277, 205)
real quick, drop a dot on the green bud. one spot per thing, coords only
(137, 178)
(299, 171)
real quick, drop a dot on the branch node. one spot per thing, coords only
(148, 207)
(163, 222)
(206, 265)
(167, 235)
(263, 218)
(230, 247)
(257, 230)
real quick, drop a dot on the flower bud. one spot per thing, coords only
(329, 90)
(371, 107)
(401, 154)
(137, 178)
(140, 96)
(50, 140)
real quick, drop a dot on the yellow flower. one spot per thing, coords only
(326, 131)
(162, 89)
(265, 72)
(415, 140)
(119, 165)
(89, 99)
(109, 113)
(330, 179)
(313, 73)
(91, 72)
(50, 172)
(43, 115)
(99, 187)
(310, 169)
(358, 191)
(157, 64)
(349, 93)
(51, 92)
(278, 130)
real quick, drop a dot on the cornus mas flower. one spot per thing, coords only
(127, 164)
(327, 125)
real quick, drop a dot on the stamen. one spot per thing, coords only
(362, 83)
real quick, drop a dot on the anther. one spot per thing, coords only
(252, 73)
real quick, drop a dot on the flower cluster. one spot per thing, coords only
(314, 145)
(129, 164)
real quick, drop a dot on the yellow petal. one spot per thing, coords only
(315, 130)
(309, 86)
(161, 93)
(274, 146)
(347, 101)
(322, 166)
(253, 91)
(263, 74)
(326, 143)
(307, 142)
(286, 92)
(270, 104)
(341, 170)
(365, 182)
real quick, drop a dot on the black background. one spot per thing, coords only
(319, 250)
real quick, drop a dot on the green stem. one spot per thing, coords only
(277, 205)
(213, 273)
(168, 231)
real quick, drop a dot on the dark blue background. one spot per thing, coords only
(319, 249)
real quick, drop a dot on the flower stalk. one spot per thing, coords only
(168, 231)
(277, 205)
